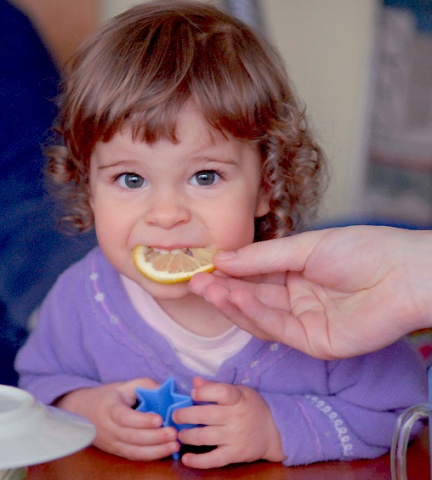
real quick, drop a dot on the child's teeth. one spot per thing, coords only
(164, 252)
(160, 250)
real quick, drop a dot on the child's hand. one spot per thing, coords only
(120, 429)
(239, 422)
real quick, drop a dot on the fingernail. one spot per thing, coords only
(226, 255)
(157, 422)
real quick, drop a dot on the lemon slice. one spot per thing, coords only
(175, 266)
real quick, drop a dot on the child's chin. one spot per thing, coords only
(163, 291)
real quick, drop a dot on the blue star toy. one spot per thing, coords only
(164, 401)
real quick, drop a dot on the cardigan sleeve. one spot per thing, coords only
(55, 359)
(356, 416)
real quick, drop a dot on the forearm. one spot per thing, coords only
(48, 388)
(314, 429)
(352, 412)
(80, 401)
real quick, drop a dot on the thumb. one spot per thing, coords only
(128, 388)
(200, 382)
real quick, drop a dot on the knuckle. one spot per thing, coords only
(201, 436)
(225, 389)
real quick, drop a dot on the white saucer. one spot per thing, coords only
(32, 433)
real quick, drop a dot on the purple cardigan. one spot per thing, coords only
(89, 334)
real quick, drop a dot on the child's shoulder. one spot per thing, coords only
(81, 284)
(94, 260)
(79, 274)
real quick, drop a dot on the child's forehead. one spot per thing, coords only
(189, 121)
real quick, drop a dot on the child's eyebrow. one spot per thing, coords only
(198, 159)
(222, 160)
(115, 163)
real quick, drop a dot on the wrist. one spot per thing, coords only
(274, 450)
(418, 264)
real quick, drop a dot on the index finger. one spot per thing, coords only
(270, 256)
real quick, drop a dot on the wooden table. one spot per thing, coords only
(93, 464)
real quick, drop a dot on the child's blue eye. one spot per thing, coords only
(205, 178)
(131, 180)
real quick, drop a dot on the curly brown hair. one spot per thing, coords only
(145, 64)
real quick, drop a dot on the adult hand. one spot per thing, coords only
(330, 293)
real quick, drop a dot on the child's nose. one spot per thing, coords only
(166, 210)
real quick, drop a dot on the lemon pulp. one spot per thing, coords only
(175, 266)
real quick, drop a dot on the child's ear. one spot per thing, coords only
(263, 203)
